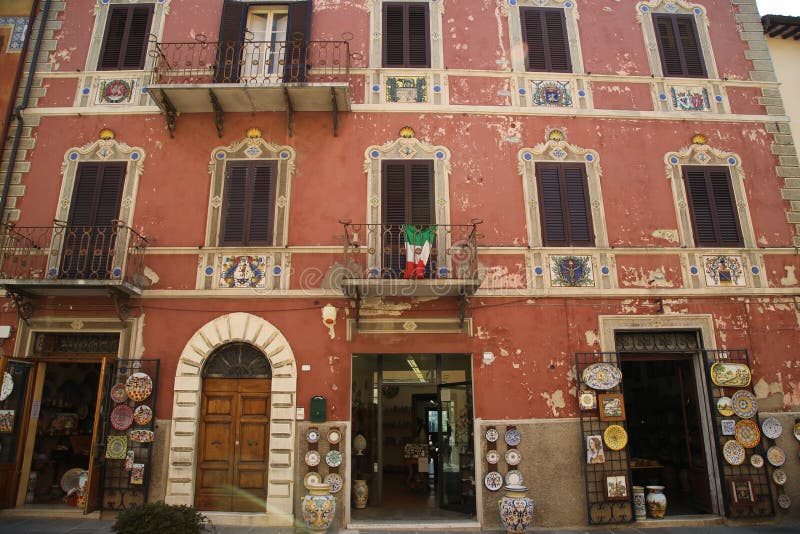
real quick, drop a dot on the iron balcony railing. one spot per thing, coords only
(249, 62)
(394, 251)
(64, 252)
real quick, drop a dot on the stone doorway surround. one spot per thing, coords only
(186, 412)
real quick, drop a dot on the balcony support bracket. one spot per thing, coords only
(171, 114)
(335, 111)
(462, 308)
(218, 113)
(289, 112)
(22, 303)
(121, 305)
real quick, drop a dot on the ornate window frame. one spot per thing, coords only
(644, 14)
(571, 15)
(704, 155)
(436, 13)
(560, 151)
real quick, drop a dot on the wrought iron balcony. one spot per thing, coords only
(247, 76)
(409, 260)
(64, 259)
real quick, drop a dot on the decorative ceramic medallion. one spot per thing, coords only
(117, 447)
(776, 456)
(784, 501)
(492, 456)
(615, 437)
(733, 452)
(512, 437)
(730, 374)
(335, 481)
(493, 481)
(312, 436)
(122, 417)
(407, 90)
(143, 414)
(312, 478)
(312, 458)
(722, 271)
(492, 435)
(116, 91)
(747, 433)
(757, 461)
(513, 457)
(118, 393)
(514, 478)
(551, 93)
(771, 428)
(571, 271)
(138, 386)
(779, 477)
(333, 458)
(724, 406)
(7, 387)
(334, 436)
(243, 271)
(690, 99)
(602, 376)
(744, 404)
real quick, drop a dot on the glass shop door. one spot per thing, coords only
(14, 410)
(456, 454)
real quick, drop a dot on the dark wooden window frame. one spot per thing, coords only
(567, 219)
(545, 44)
(407, 61)
(125, 38)
(679, 46)
(407, 164)
(250, 167)
(715, 211)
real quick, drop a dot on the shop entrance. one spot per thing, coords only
(667, 443)
(415, 413)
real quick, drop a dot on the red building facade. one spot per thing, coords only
(435, 216)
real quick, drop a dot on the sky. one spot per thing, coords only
(779, 7)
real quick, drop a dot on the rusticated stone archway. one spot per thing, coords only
(186, 409)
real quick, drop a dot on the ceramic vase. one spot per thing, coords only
(656, 502)
(639, 507)
(516, 509)
(360, 493)
(318, 507)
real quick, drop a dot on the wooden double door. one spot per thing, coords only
(233, 449)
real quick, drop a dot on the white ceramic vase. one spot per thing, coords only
(639, 507)
(656, 502)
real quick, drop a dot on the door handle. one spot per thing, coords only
(237, 442)
(216, 443)
(252, 443)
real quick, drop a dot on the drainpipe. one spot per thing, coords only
(25, 98)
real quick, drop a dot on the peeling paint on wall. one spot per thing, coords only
(636, 277)
(790, 279)
(555, 401)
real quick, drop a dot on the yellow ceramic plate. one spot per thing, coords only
(724, 406)
(615, 437)
(747, 433)
(730, 374)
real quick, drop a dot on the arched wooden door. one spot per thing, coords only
(233, 449)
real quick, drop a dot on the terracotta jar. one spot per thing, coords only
(318, 507)
(516, 509)
(360, 493)
(656, 502)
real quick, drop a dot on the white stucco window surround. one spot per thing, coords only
(436, 13)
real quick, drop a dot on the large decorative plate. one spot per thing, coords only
(757, 461)
(602, 376)
(7, 387)
(312, 478)
(492, 435)
(784, 501)
(333, 458)
(122, 417)
(724, 406)
(312, 458)
(779, 477)
(615, 437)
(493, 481)
(733, 452)
(335, 481)
(744, 404)
(514, 478)
(492, 456)
(747, 433)
(796, 431)
(312, 436)
(71, 479)
(139, 386)
(512, 437)
(334, 436)
(117, 447)
(771, 428)
(118, 393)
(143, 436)
(729, 375)
(776, 456)
(513, 457)
(143, 414)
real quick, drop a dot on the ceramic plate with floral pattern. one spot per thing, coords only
(335, 481)
(779, 477)
(757, 461)
(747, 433)
(312, 458)
(312, 478)
(776, 456)
(513, 457)
(122, 417)
(771, 428)
(143, 414)
(492, 435)
(493, 481)
(139, 386)
(733, 452)
(333, 458)
(744, 404)
(7, 387)
(492, 456)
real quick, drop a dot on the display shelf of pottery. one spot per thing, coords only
(318, 507)
(516, 508)
(656, 502)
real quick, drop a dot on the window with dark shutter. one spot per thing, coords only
(564, 205)
(248, 203)
(406, 35)
(679, 45)
(713, 207)
(126, 37)
(545, 33)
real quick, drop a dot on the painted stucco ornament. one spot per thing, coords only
(516, 509)
(319, 507)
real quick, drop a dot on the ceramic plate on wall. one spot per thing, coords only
(492, 457)
(312, 478)
(602, 376)
(118, 393)
(779, 477)
(513, 457)
(334, 480)
(725, 374)
(139, 386)
(724, 406)
(776, 456)
(312, 436)
(757, 461)
(784, 501)
(747, 433)
(615, 437)
(7, 387)
(733, 452)
(796, 431)
(312, 458)
(492, 435)
(512, 437)
(744, 404)
(333, 458)
(493, 481)
(514, 478)
(771, 428)
(122, 417)
(143, 414)
(334, 436)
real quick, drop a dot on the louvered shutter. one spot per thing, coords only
(393, 36)
(421, 194)
(725, 207)
(104, 229)
(113, 40)
(231, 34)
(126, 37)
(701, 206)
(262, 200)
(418, 36)
(551, 203)
(233, 217)
(534, 39)
(713, 208)
(394, 217)
(564, 205)
(298, 34)
(690, 45)
(545, 33)
(578, 215)
(557, 42)
(678, 45)
(406, 35)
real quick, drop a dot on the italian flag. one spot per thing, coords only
(418, 249)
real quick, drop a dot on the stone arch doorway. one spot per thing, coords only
(247, 329)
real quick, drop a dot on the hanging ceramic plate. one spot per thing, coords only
(757, 461)
(615, 437)
(513, 457)
(312, 478)
(730, 375)
(143, 414)
(122, 417)
(143, 436)
(312, 458)
(333, 458)
(512, 437)
(7, 387)
(796, 431)
(493, 481)
(733, 452)
(747, 433)
(139, 386)
(724, 406)
(312, 436)
(602, 376)
(334, 436)
(492, 457)
(117, 447)
(771, 428)
(118, 393)
(514, 478)
(744, 404)
(784, 501)
(335, 481)
(492, 435)
(779, 477)
(776, 456)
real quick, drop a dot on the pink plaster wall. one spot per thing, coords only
(612, 23)
(475, 91)
(744, 100)
(649, 271)
(633, 96)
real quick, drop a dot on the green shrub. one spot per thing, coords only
(160, 518)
